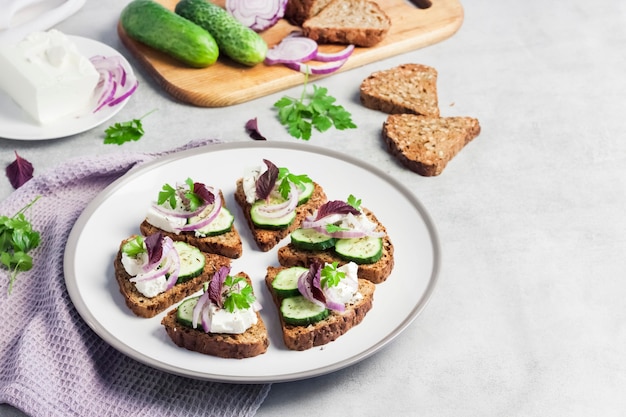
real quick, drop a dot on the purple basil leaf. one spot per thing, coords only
(154, 247)
(216, 284)
(336, 207)
(19, 171)
(252, 128)
(315, 277)
(201, 190)
(267, 180)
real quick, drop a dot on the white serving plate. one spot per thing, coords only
(117, 212)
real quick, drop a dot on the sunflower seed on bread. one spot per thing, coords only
(358, 22)
(425, 145)
(407, 88)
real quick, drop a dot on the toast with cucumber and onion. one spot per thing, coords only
(197, 214)
(318, 304)
(342, 232)
(155, 272)
(223, 321)
(275, 202)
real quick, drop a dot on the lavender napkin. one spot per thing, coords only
(51, 362)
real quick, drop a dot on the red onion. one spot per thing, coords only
(217, 206)
(292, 49)
(258, 15)
(115, 84)
(275, 211)
(199, 307)
(322, 69)
(334, 56)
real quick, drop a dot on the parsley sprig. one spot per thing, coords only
(331, 275)
(237, 297)
(190, 199)
(317, 110)
(17, 238)
(123, 132)
(285, 178)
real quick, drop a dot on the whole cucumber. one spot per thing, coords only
(158, 27)
(234, 39)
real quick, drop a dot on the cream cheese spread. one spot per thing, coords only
(46, 75)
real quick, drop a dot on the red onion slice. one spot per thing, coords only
(258, 15)
(292, 50)
(217, 206)
(335, 56)
(115, 84)
(326, 68)
(199, 307)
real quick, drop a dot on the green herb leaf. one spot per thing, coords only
(354, 202)
(316, 111)
(285, 178)
(17, 238)
(331, 275)
(236, 298)
(120, 133)
(134, 247)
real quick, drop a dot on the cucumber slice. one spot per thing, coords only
(262, 221)
(285, 283)
(364, 250)
(310, 239)
(184, 313)
(306, 190)
(220, 225)
(191, 261)
(301, 312)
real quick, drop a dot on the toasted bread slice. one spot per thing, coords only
(143, 306)
(297, 11)
(328, 329)
(252, 342)
(425, 145)
(358, 22)
(407, 88)
(266, 239)
(376, 273)
(227, 244)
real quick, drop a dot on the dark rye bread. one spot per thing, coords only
(266, 239)
(329, 329)
(147, 307)
(252, 342)
(297, 11)
(376, 273)
(359, 22)
(227, 244)
(425, 145)
(407, 88)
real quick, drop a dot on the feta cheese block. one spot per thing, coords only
(46, 75)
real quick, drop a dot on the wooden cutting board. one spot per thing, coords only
(226, 83)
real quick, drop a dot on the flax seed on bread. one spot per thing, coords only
(147, 307)
(425, 145)
(252, 342)
(359, 22)
(376, 273)
(227, 244)
(266, 239)
(329, 329)
(407, 88)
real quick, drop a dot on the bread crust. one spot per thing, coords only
(407, 88)
(425, 145)
(327, 330)
(266, 239)
(376, 273)
(147, 307)
(227, 244)
(359, 22)
(252, 342)
(297, 11)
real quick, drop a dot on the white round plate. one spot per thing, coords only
(15, 123)
(117, 212)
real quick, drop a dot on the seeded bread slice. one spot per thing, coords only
(359, 22)
(332, 327)
(408, 88)
(143, 306)
(266, 239)
(297, 11)
(252, 342)
(227, 244)
(376, 273)
(425, 145)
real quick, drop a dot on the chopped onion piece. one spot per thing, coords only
(258, 15)
(322, 69)
(115, 84)
(334, 56)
